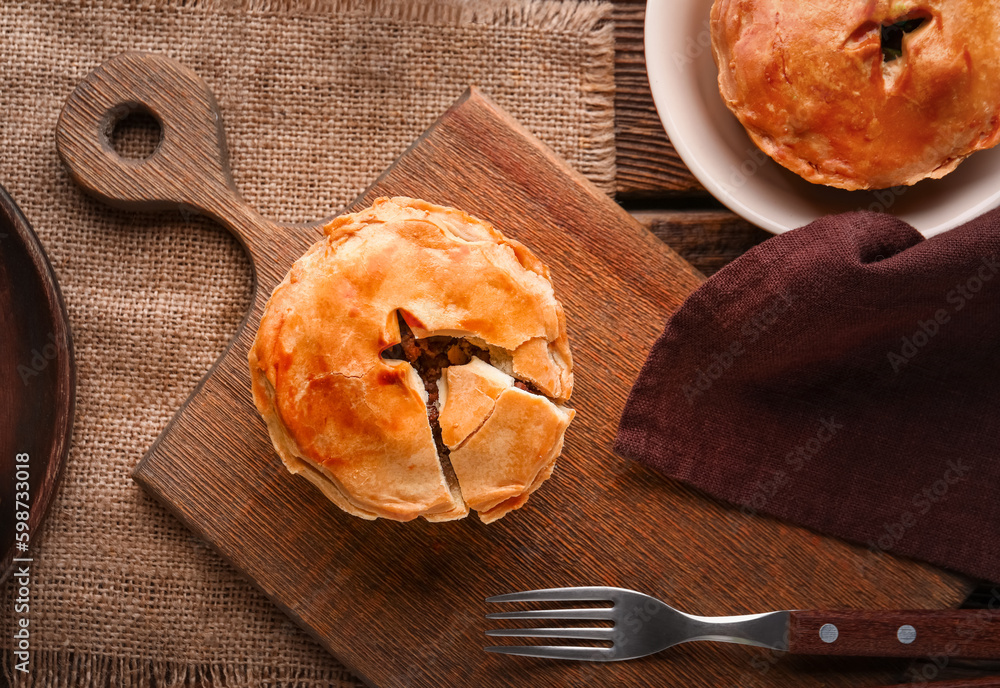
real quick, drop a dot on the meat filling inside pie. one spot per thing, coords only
(415, 363)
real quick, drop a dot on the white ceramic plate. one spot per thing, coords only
(713, 144)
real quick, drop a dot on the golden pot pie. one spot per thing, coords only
(862, 94)
(415, 362)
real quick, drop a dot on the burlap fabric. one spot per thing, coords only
(318, 99)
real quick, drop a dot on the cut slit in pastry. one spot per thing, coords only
(415, 363)
(483, 418)
(862, 95)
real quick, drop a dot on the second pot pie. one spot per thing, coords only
(415, 362)
(862, 95)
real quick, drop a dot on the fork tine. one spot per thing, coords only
(570, 633)
(589, 654)
(593, 594)
(590, 614)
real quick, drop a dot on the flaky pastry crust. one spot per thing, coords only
(483, 422)
(356, 423)
(809, 82)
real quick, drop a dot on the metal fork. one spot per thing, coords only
(642, 625)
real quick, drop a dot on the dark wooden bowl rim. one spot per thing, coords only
(47, 436)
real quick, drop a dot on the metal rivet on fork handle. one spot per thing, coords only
(828, 633)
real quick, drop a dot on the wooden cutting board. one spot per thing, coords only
(401, 604)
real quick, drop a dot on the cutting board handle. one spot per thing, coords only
(188, 170)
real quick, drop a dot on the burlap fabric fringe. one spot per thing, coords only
(318, 98)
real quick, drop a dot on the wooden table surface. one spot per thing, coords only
(652, 182)
(655, 186)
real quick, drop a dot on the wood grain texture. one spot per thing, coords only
(707, 239)
(401, 604)
(648, 165)
(37, 384)
(965, 633)
(987, 682)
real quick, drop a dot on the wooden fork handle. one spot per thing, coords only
(985, 682)
(967, 633)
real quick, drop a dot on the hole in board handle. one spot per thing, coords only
(133, 132)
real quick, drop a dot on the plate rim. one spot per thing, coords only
(655, 70)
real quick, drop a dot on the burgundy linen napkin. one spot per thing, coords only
(844, 376)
